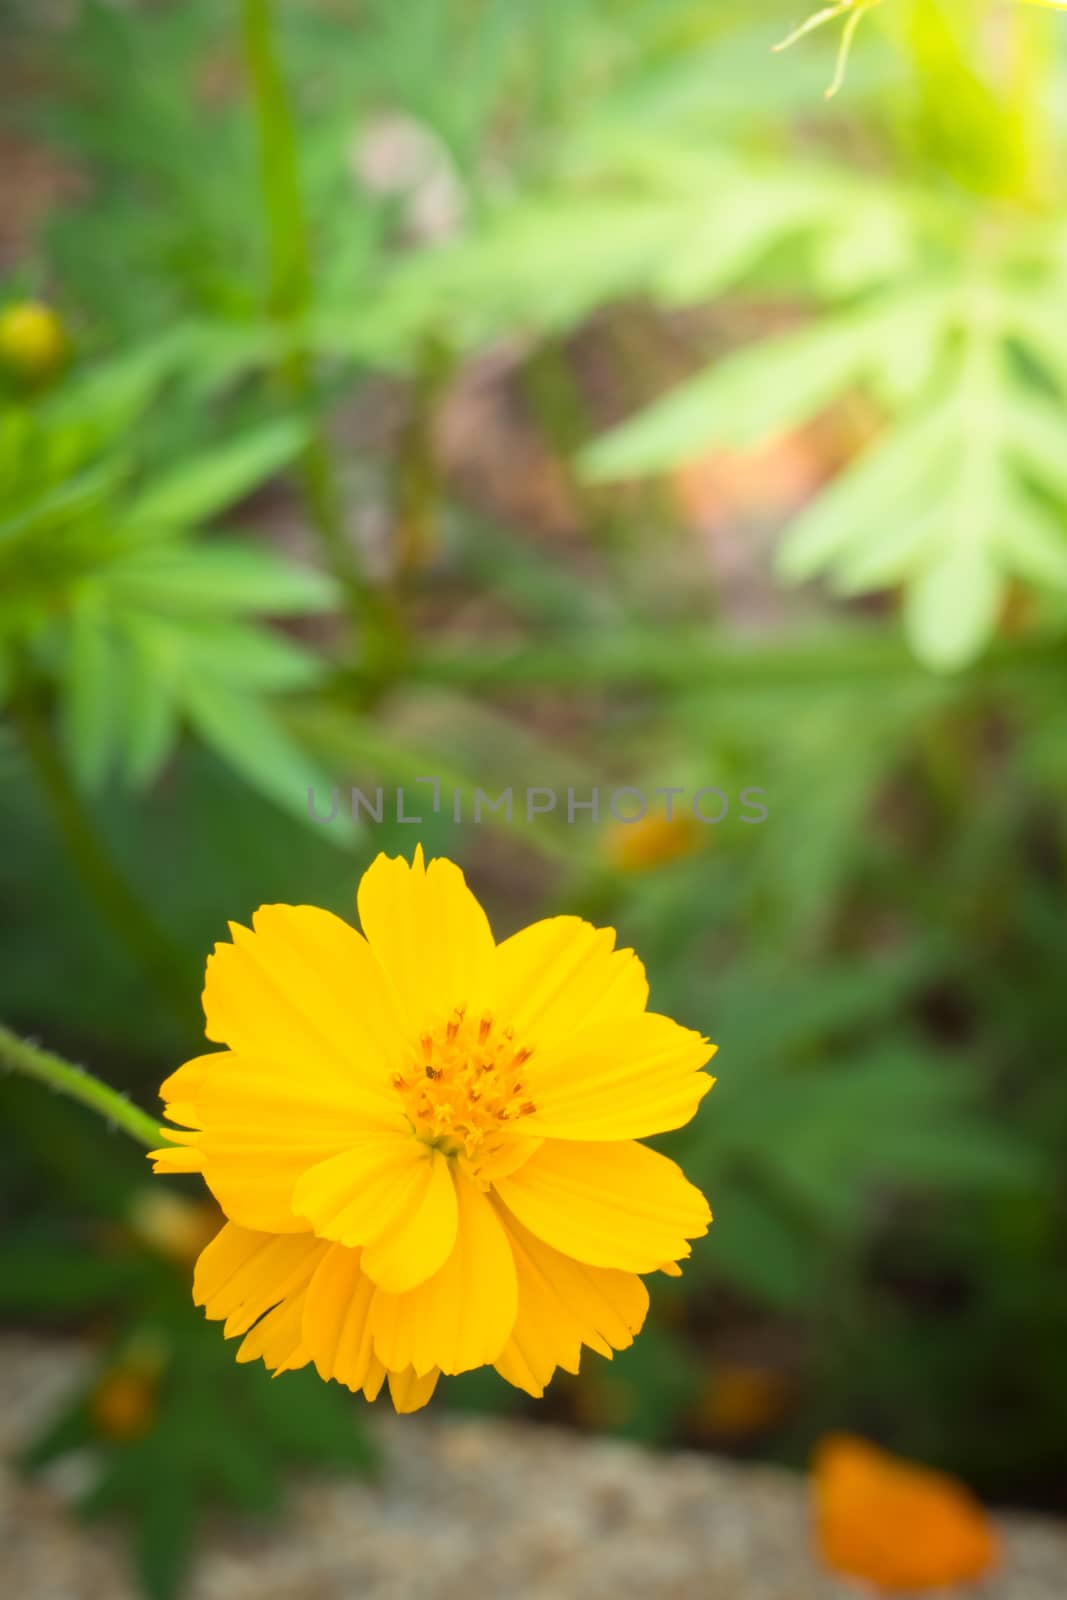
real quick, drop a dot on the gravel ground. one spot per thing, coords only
(473, 1510)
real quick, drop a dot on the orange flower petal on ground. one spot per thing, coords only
(424, 1141)
(894, 1523)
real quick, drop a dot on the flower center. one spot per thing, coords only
(464, 1082)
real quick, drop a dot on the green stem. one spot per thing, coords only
(18, 1055)
(114, 898)
(416, 473)
(687, 658)
(372, 610)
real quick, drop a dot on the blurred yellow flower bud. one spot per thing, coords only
(171, 1225)
(33, 341)
(651, 842)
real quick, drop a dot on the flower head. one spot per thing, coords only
(425, 1141)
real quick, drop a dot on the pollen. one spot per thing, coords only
(464, 1082)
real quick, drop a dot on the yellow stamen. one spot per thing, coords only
(469, 1083)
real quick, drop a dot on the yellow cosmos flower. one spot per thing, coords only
(425, 1141)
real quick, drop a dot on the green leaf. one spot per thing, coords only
(315, 1421)
(744, 400)
(754, 1245)
(166, 1529)
(241, 1471)
(235, 653)
(37, 1277)
(91, 691)
(737, 223)
(246, 736)
(149, 710)
(878, 497)
(112, 394)
(220, 578)
(951, 608)
(952, 501)
(215, 479)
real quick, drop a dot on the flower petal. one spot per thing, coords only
(181, 1156)
(428, 932)
(250, 1278)
(618, 1080)
(304, 991)
(564, 1304)
(336, 1330)
(391, 1193)
(462, 1316)
(277, 1340)
(372, 1383)
(258, 1128)
(609, 1205)
(561, 975)
(409, 1391)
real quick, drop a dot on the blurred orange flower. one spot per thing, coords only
(652, 841)
(123, 1404)
(722, 485)
(744, 1399)
(894, 1523)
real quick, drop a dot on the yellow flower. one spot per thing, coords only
(425, 1142)
(652, 841)
(33, 345)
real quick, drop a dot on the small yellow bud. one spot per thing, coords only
(651, 842)
(33, 342)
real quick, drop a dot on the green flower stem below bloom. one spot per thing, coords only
(116, 902)
(18, 1055)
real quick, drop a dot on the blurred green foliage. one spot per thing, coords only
(424, 515)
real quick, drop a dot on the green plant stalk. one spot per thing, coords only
(553, 393)
(416, 475)
(687, 658)
(116, 901)
(373, 613)
(18, 1055)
